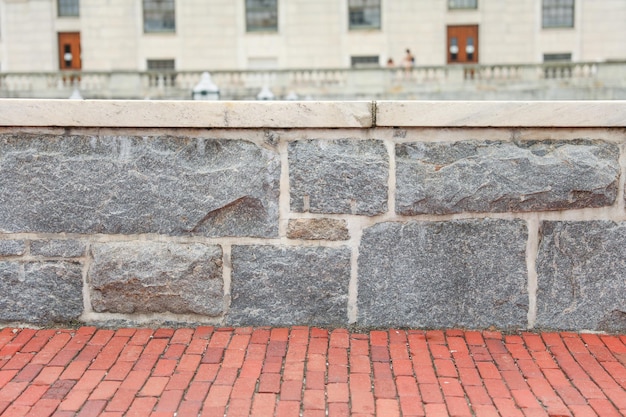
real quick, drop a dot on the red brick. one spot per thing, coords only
(430, 393)
(339, 338)
(484, 410)
(226, 376)
(208, 372)
(292, 390)
(289, 409)
(46, 354)
(507, 407)
(478, 395)
(436, 410)
(169, 401)
(451, 387)
(604, 408)
(218, 396)
(263, 405)
(582, 411)
(31, 395)
(525, 398)
(411, 406)
(481, 353)
(105, 390)
(387, 408)
(28, 373)
(497, 388)
(18, 361)
(154, 386)
(314, 399)
(488, 370)
(179, 381)
(337, 410)
(12, 390)
(359, 364)
(92, 408)
(175, 351)
(474, 338)
(43, 408)
(142, 406)
(359, 346)
(469, 376)
(121, 400)
(282, 334)
(119, 371)
(337, 373)
(47, 376)
(315, 380)
(384, 388)
(239, 407)
(440, 352)
(74, 400)
(458, 407)
(269, 382)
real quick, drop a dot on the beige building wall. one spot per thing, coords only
(211, 34)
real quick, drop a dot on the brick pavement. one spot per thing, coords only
(305, 371)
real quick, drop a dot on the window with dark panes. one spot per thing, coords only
(364, 61)
(462, 4)
(261, 15)
(159, 16)
(557, 14)
(364, 14)
(68, 8)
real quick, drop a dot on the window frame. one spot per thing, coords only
(452, 5)
(251, 28)
(163, 28)
(559, 10)
(64, 5)
(356, 26)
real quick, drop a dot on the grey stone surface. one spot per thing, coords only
(40, 292)
(152, 277)
(289, 286)
(128, 184)
(318, 229)
(338, 176)
(12, 247)
(56, 247)
(581, 269)
(460, 273)
(483, 176)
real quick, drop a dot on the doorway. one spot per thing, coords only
(462, 45)
(69, 51)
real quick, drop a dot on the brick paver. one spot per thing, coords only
(304, 371)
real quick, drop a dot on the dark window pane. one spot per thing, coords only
(159, 16)
(564, 57)
(161, 65)
(462, 4)
(364, 14)
(68, 8)
(364, 61)
(261, 15)
(558, 13)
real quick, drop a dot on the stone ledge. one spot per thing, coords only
(501, 113)
(310, 114)
(220, 114)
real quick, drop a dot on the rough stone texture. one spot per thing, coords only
(318, 229)
(581, 270)
(483, 176)
(338, 176)
(12, 247)
(40, 292)
(127, 185)
(150, 277)
(460, 273)
(289, 286)
(60, 248)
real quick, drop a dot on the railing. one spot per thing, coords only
(346, 83)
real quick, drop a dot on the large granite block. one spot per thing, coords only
(58, 248)
(484, 176)
(12, 247)
(289, 286)
(338, 176)
(128, 184)
(581, 269)
(459, 273)
(151, 277)
(40, 292)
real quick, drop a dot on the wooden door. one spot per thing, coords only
(462, 45)
(69, 51)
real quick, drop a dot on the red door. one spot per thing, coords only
(69, 51)
(462, 45)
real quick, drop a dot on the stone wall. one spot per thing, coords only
(407, 214)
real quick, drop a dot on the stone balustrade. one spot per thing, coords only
(580, 80)
(388, 213)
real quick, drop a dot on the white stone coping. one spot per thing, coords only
(310, 114)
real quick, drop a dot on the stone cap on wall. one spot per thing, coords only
(310, 114)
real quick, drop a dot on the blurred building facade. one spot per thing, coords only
(195, 35)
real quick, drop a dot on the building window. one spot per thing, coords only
(68, 8)
(368, 61)
(364, 14)
(161, 65)
(558, 14)
(564, 57)
(462, 4)
(159, 16)
(261, 15)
